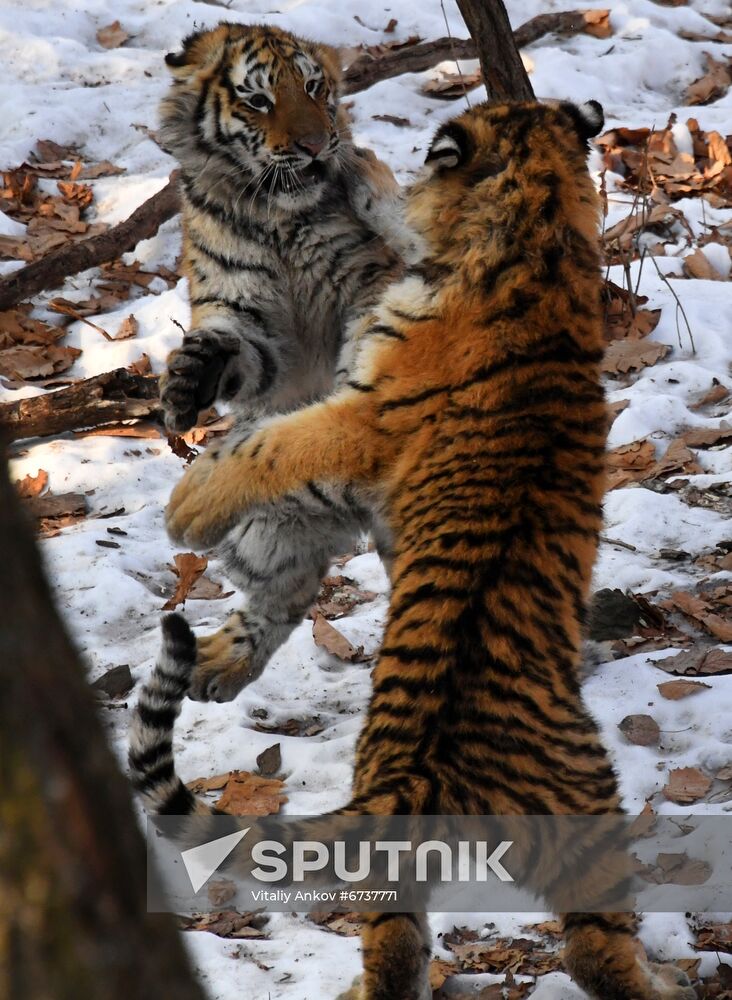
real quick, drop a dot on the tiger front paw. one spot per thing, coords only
(205, 503)
(191, 382)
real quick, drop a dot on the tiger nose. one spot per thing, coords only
(311, 144)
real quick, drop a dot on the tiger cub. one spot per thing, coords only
(290, 234)
(476, 412)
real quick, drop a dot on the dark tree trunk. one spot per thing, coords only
(73, 920)
(503, 72)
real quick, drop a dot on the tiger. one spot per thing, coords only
(490, 469)
(290, 233)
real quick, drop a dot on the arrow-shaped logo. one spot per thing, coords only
(201, 862)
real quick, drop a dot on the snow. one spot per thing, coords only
(60, 84)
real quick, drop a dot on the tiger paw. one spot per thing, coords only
(191, 381)
(224, 664)
(669, 982)
(205, 504)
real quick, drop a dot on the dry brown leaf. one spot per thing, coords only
(707, 437)
(642, 730)
(127, 328)
(247, 794)
(630, 463)
(142, 429)
(205, 589)
(188, 568)
(451, 86)
(32, 486)
(676, 869)
(698, 265)
(220, 892)
(713, 84)
(112, 36)
(597, 23)
(212, 784)
(36, 362)
(624, 356)
(344, 924)
(103, 169)
(334, 642)
(686, 785)
(675, 690)
(392, 120)
(56, 511)
(227, 924)
(714, 937)
(677, 458)
(440, 971)
(269, 761)
(698, 610)
(697, 662)
(140, 367)
(48, 151)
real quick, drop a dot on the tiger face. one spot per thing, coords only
(267, 99)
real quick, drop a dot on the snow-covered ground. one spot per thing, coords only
(60, 84)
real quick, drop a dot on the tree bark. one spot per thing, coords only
(51, 270)
(103, 399)
(504, 75)
(73, 918)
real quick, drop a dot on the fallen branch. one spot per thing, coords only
(51, 270)
(366, 70)
(115, 395)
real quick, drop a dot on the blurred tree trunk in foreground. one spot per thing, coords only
(73, 920)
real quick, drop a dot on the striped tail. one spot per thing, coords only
(152, 768)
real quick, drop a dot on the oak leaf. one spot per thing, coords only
(188, 567)
(686, 785)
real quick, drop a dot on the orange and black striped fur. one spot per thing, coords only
(477, 417)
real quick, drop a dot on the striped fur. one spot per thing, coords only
(477, 412)
(284, 252)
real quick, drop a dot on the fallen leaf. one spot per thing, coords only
(597, 23)
(25, 362)
(140, 367)
(334, 642)
(698, 265)
(717, 393)
(675, 690)
(714, 937)
(227, 924)
(104, 169)
(247, 794)
(293, 727)
(698, 610)
(205, 589)
(53, 512)
(112, 35)
(451, 86)
(127, 328)
(624, 356)
(676, 459)
(676, 869)
(713, 84)
(212, 784)
(440, 971)
(641, 730)
(269, 761)
(345, 924)
(697, 662)
(115, 682)
(686, 785)
(188, 568)
(630, 463)
(32, 486)
(704, 437)
(48, 151)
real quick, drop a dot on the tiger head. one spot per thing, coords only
(260, 98)
(496, 171)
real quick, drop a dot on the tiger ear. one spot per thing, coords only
(588, 118)
(201, 48)
(450, 148)
(329, 58)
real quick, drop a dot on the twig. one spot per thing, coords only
(616, 541)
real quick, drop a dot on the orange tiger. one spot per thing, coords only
(476, 416)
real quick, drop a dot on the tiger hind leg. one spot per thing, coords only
(396, 954)
(603, 958)
(278, 557)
